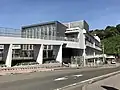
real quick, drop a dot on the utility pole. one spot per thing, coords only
(76, 61)
(84, 60)
(103, 53)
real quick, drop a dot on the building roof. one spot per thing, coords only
(40, 24)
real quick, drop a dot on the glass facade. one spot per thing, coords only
(47, 31)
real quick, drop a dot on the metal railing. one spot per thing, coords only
(92, 56)
(97, 47)
(92, 45)
(9, 32)
(89, 43)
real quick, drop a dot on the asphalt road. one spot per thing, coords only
(50, 80)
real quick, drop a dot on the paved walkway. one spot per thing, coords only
(111, 83)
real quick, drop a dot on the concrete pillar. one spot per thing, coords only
(7, 54)
(94, 59)
(59, 55)
(82, 44)
(84, 60)
(57, 52)
(38, 53)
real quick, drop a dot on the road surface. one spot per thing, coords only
(111, 83)
(50, 80)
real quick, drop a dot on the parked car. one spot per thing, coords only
(113, 62)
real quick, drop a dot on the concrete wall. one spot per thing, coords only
(81, 24)
(85, 25)
(61, 29)
(17, 40)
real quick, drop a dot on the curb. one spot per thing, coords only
(30, 69)
(88, 81)
(104, 66)
(22, 70)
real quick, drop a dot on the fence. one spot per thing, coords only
(9, 32)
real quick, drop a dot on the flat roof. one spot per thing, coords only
(40, 24)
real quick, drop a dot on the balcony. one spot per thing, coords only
(45, 37)
(97, 47)
(92, 45)
(92, 56)
(89, 44)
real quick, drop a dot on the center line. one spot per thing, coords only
(59, 79)
(78, 75)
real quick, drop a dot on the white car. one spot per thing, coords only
(113, 62)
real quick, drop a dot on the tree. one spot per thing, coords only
(111, 31)
(118, 27)
(110, 36)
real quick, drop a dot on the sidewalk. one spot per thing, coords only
(45, 67)
(111, 83)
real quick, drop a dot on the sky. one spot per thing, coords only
(98, 13)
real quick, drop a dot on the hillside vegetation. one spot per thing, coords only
(110, 38)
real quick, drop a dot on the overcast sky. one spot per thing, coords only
(98, 13)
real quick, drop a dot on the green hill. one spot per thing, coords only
(112, 45)
(110, 38)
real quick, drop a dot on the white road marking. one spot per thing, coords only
(57, 89)
(59, 79)
(74, 84)
(80, 75)
(88, 80)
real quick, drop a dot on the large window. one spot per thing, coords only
(35, 32)
(30, 46)
(24, 34)
(45, 46)
(38, 32)
(49, 46)
(42, 32)
(45, 28)
(50, 30)
(30, 33)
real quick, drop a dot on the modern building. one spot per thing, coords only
(53, 30)
(10, 32)
(63, 42)
(77, 31)
(92, 46)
